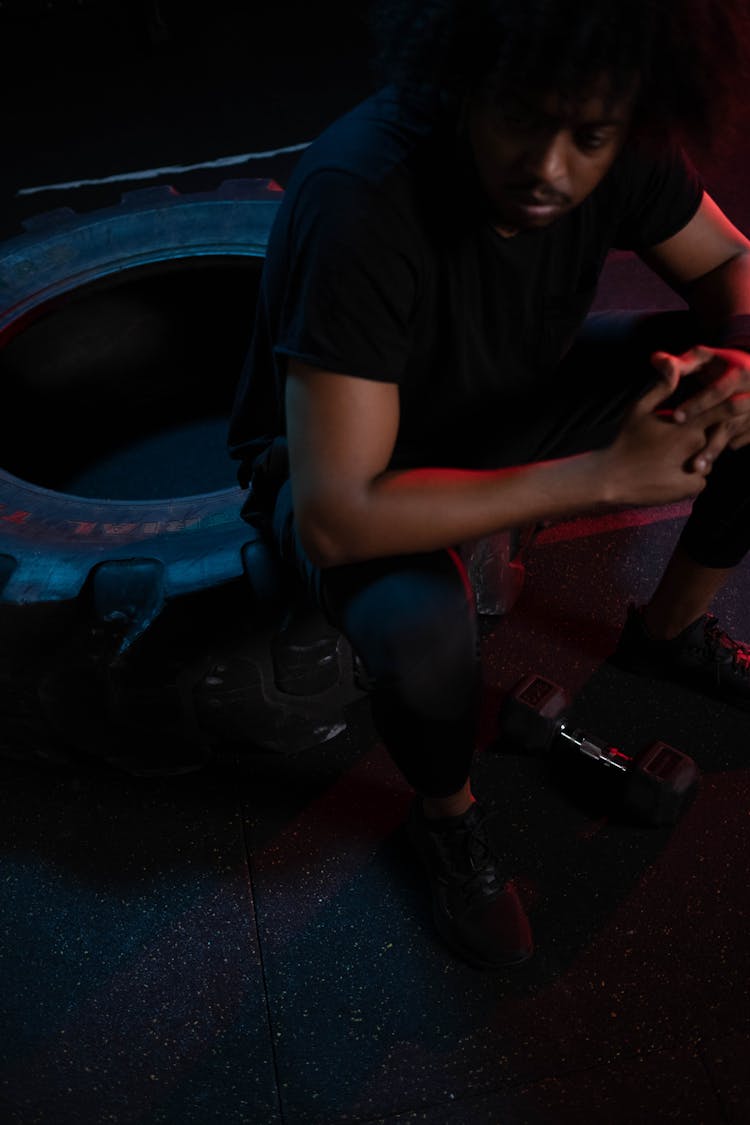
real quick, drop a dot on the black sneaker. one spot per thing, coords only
(477, 914)
(703, 657)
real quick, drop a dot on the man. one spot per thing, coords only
(412, 385)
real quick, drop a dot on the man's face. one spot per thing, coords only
(538, 156)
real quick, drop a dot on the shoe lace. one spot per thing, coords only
(720, 646)
(470, 860)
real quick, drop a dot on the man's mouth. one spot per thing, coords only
(532, 205)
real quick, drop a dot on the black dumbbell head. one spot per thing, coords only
(659, 784)
(531, 713)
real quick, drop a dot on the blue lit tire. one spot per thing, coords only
(149, 632)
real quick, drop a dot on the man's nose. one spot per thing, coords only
(546, 161)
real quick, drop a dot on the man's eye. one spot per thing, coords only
(591, 139)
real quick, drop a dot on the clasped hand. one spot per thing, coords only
(722, 406)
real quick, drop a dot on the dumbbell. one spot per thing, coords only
(653, 787)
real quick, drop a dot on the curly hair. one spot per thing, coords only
(689, 57)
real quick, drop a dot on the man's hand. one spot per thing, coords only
(723, 406)
(652, 460)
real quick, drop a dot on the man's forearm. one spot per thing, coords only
(418, 510)
(421, 510)
(720, 296)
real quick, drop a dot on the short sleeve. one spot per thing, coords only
(351, 289)
(658, 194)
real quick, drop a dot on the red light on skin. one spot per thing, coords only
(273, 186)
(463, 574)
(16, 517)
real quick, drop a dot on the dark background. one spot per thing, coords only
(98, 88)
(256, 948)
(109, 86)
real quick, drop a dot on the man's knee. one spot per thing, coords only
(415, 631)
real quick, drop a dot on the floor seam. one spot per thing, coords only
(266, 997)
(723, 1108)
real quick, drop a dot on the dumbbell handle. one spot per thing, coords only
(587, 744)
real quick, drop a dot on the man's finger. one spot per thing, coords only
(685, 364)
(718, 439)
(724, 390)
(660, 391)
(739, 441)
(663, 362)
(718, 392)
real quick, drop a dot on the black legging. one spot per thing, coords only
(412, 620)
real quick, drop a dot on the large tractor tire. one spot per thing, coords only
(141, 620)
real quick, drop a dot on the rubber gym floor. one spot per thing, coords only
(254, 946)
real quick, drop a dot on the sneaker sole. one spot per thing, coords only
(471, 958)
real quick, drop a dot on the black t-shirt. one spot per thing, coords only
(383, 264)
